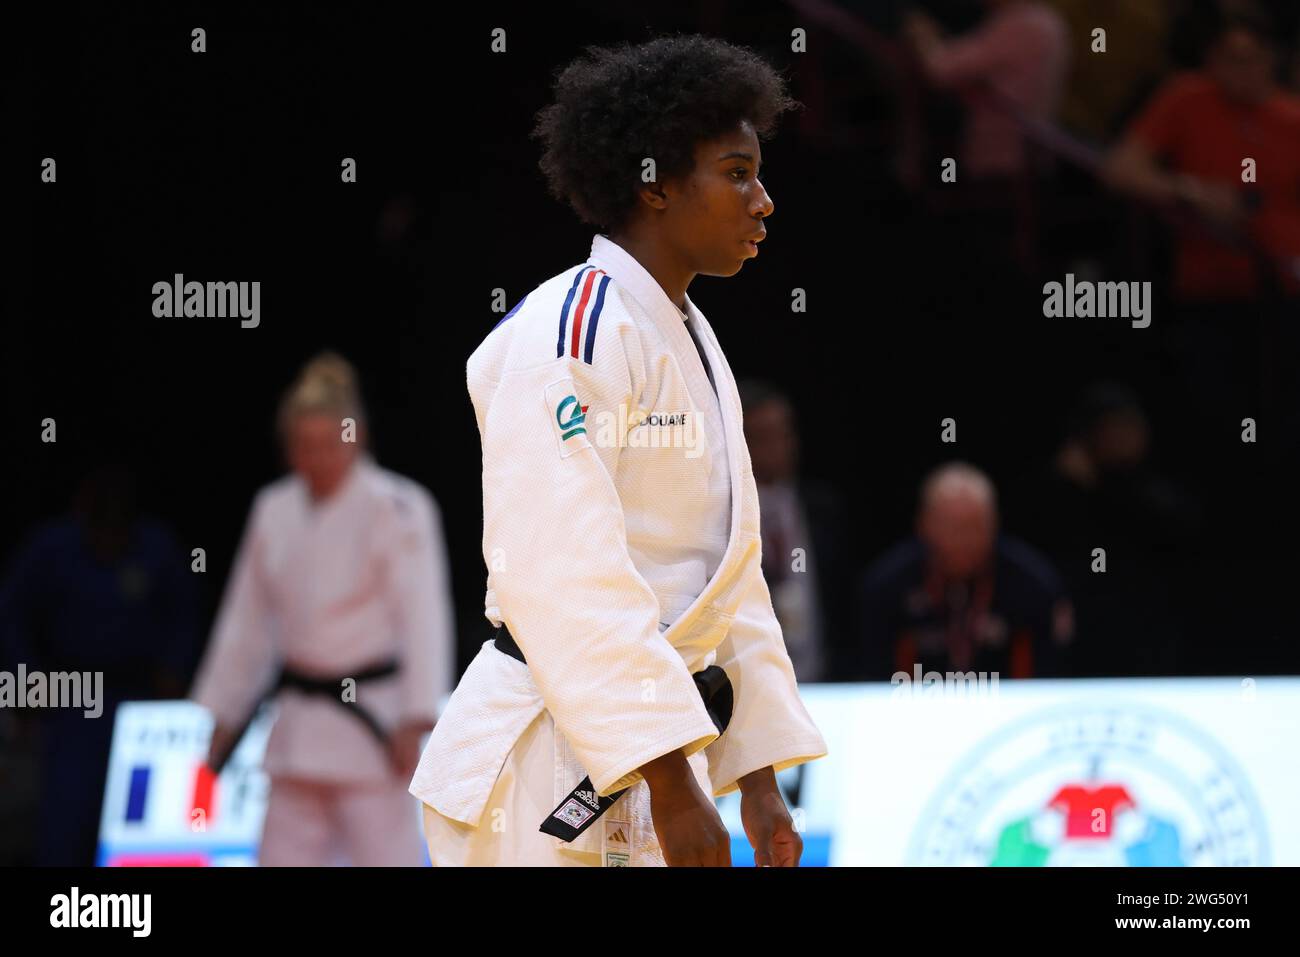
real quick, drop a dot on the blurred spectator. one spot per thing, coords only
(1188, 152)
(1019, 55)
(1188, 147)
(960, 595)
(340, 582)
(108, 590)
(1009, 71)
(809, 587)
(1101, 491)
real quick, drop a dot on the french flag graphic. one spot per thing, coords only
(146, 789)
(581, 314)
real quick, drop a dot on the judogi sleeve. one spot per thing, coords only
(770, 727)
(555, 544)
(241, 657)
(419, 596)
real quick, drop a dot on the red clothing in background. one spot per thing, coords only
(1198, 131)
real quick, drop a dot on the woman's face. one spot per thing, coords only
(721, 204)
(316, 450)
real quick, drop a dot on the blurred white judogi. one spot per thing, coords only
(328, 589)
(621, 535)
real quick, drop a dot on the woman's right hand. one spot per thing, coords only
(686, 822)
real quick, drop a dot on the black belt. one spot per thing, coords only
(579, 810)
(330, 687)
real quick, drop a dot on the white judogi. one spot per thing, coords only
(327, 589)
(621, 536)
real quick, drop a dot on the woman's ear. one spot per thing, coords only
(653, 195)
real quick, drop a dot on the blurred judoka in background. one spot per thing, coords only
(339, 605)
(103, 588)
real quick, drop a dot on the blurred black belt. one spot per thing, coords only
(580, 809)
(316, 685)
(331, 687)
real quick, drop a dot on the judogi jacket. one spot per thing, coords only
(621, 538)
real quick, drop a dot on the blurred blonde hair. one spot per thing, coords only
(326, 384)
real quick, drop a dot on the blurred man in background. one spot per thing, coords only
(1016, 58)
(339, 600)
(804, 559)
(1101, 490)
(1190, 146)
(1010, 70)
(104, 589)
(1219, 149)
(960, 596)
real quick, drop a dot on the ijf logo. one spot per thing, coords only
(574, 813)
(1113, 785)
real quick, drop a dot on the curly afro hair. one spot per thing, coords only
(615, 106)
